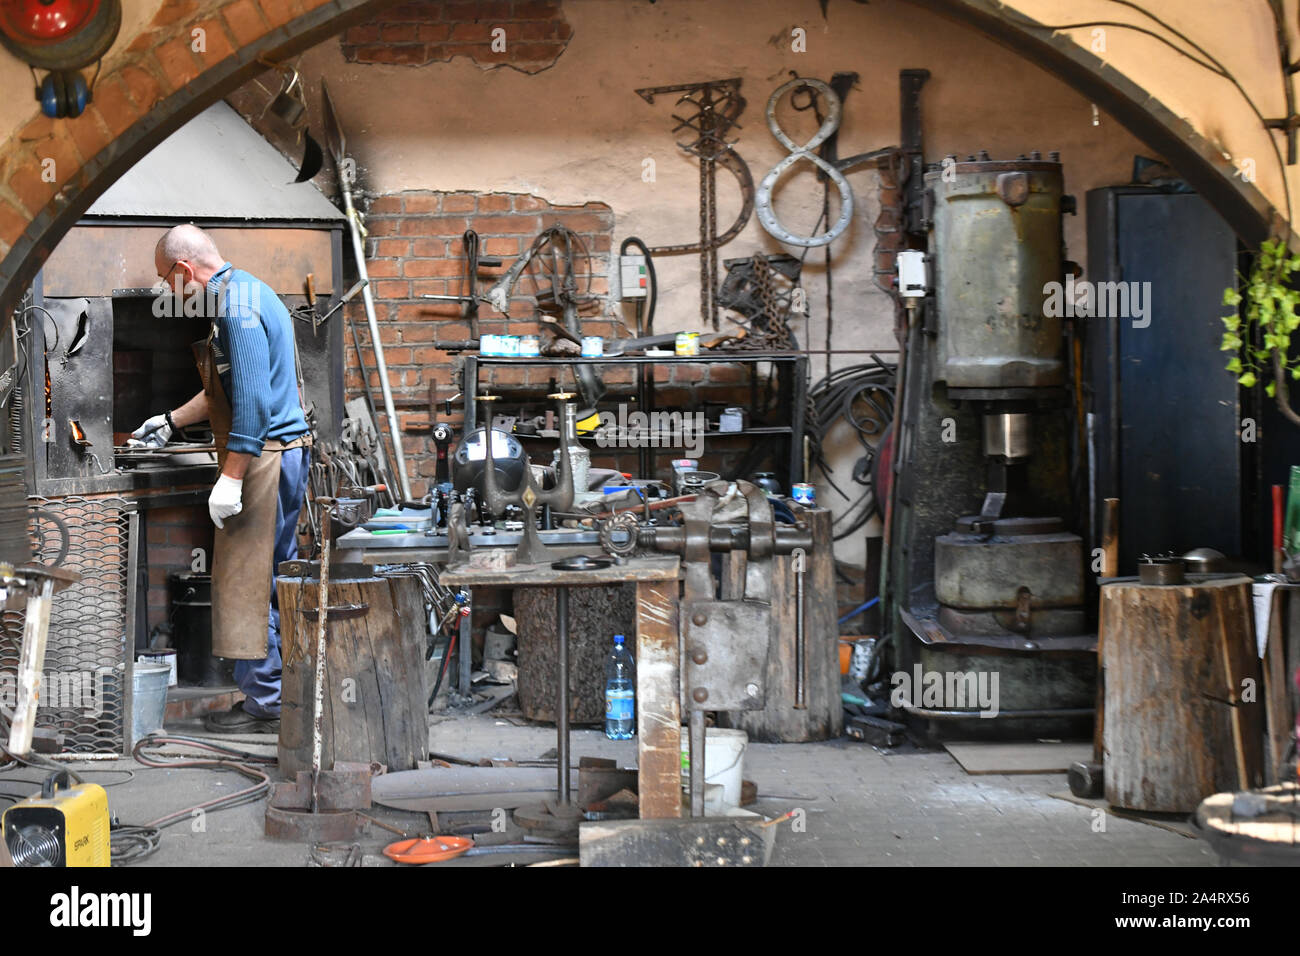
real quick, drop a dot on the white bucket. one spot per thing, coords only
(148, 699)
(724, 761)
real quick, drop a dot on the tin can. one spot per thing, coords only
(489, 345)
(530, 346)
(731, 420)
(510, 346)
(805, 494)
(688, 343)
(593, 346)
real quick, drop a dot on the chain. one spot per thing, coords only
(769, 328)
(717, 105)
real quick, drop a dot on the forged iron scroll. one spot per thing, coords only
(766, 213)
(716, 106)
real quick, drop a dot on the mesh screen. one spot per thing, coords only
(87, 656)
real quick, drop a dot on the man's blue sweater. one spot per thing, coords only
(255, 360)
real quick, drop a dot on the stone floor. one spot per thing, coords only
(861, 807)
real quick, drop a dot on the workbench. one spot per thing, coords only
(658, 664)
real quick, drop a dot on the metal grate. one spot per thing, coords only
(88, 660)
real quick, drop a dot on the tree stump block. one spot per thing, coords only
(1183, 718)
(375, 707)
(596, 614)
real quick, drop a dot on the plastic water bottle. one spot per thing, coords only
(620, 692)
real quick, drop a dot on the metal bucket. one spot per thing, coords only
(148, 699)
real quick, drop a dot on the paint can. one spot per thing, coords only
(805, 494)
(530, 346)
(593, 346)
(688, 343)
(731, 420)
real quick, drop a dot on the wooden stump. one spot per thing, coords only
(778, 721)
(1177, 728)
(596, 614)
(374, 707)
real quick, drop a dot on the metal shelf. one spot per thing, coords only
(792, 375)
(706, 358)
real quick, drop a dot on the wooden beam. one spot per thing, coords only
(658, 695)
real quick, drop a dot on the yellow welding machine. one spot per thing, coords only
(61, 826)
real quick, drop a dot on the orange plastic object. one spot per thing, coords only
(846, 655)
(427, 849)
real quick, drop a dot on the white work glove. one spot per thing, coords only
(225, 499)
(154, 433)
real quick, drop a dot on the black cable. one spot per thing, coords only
(652, 296)
(50, 316)
(446, 661)
(837, 398)
(1211, 63)
(129, 844)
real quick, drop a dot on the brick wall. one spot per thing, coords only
(528, 35)
(163, 60)
(415, 247)
(170, 537)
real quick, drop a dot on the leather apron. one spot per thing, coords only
(244, 549)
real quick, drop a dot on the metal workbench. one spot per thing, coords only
(658, 665)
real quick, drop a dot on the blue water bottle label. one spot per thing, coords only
(618, 704)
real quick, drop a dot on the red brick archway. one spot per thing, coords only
(147, 92)
(160, 82)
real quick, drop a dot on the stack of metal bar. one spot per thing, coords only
(15, 542)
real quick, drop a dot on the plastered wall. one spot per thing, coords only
(575, 132)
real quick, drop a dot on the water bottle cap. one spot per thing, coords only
(618, 638)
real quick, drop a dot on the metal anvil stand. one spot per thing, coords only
(658, 666)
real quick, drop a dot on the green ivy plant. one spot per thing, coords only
(1259, 331)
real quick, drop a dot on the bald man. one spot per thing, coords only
(250, 398)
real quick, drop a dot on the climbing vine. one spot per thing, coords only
(1259, 330)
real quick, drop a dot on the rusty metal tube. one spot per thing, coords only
(721, 538)
(800, 649)
(697, 763)
(318, 703)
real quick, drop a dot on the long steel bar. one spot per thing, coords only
(562, 711)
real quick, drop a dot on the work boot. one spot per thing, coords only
(238, 721)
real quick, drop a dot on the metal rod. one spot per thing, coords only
(387, 474)
(562, 713)
(932, 714)
(697, 763)
(36, 629)
(800, 651)
(465, 656)
(318, 703)
(359, 253)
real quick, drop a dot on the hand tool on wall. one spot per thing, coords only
(385, 468)
(473, 261)
(337, 147)
(716, 105)
(563, 292)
